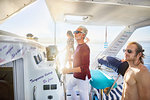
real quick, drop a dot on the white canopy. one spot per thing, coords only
(98, 12)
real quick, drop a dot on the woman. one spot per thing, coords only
(70, 48)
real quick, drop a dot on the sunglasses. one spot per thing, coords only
(128, 50)
(77, 32)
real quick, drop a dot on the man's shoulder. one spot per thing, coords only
(84, 46)
(84, 49)
(143, 73)
(143, 69)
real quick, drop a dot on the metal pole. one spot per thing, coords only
(64, 79)
(106, 34)
(112, 85)
(55, 33)
(101, 94)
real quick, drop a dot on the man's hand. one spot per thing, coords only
(65, 70)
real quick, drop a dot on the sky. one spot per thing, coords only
(37, 20)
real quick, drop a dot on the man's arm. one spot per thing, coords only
(143, 84)
(71, 70)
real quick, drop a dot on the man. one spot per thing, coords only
(81, 72)
(137, 77)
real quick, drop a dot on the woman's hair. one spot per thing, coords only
(138, 50)
(70, 33)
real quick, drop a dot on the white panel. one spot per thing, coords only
(11, 7)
